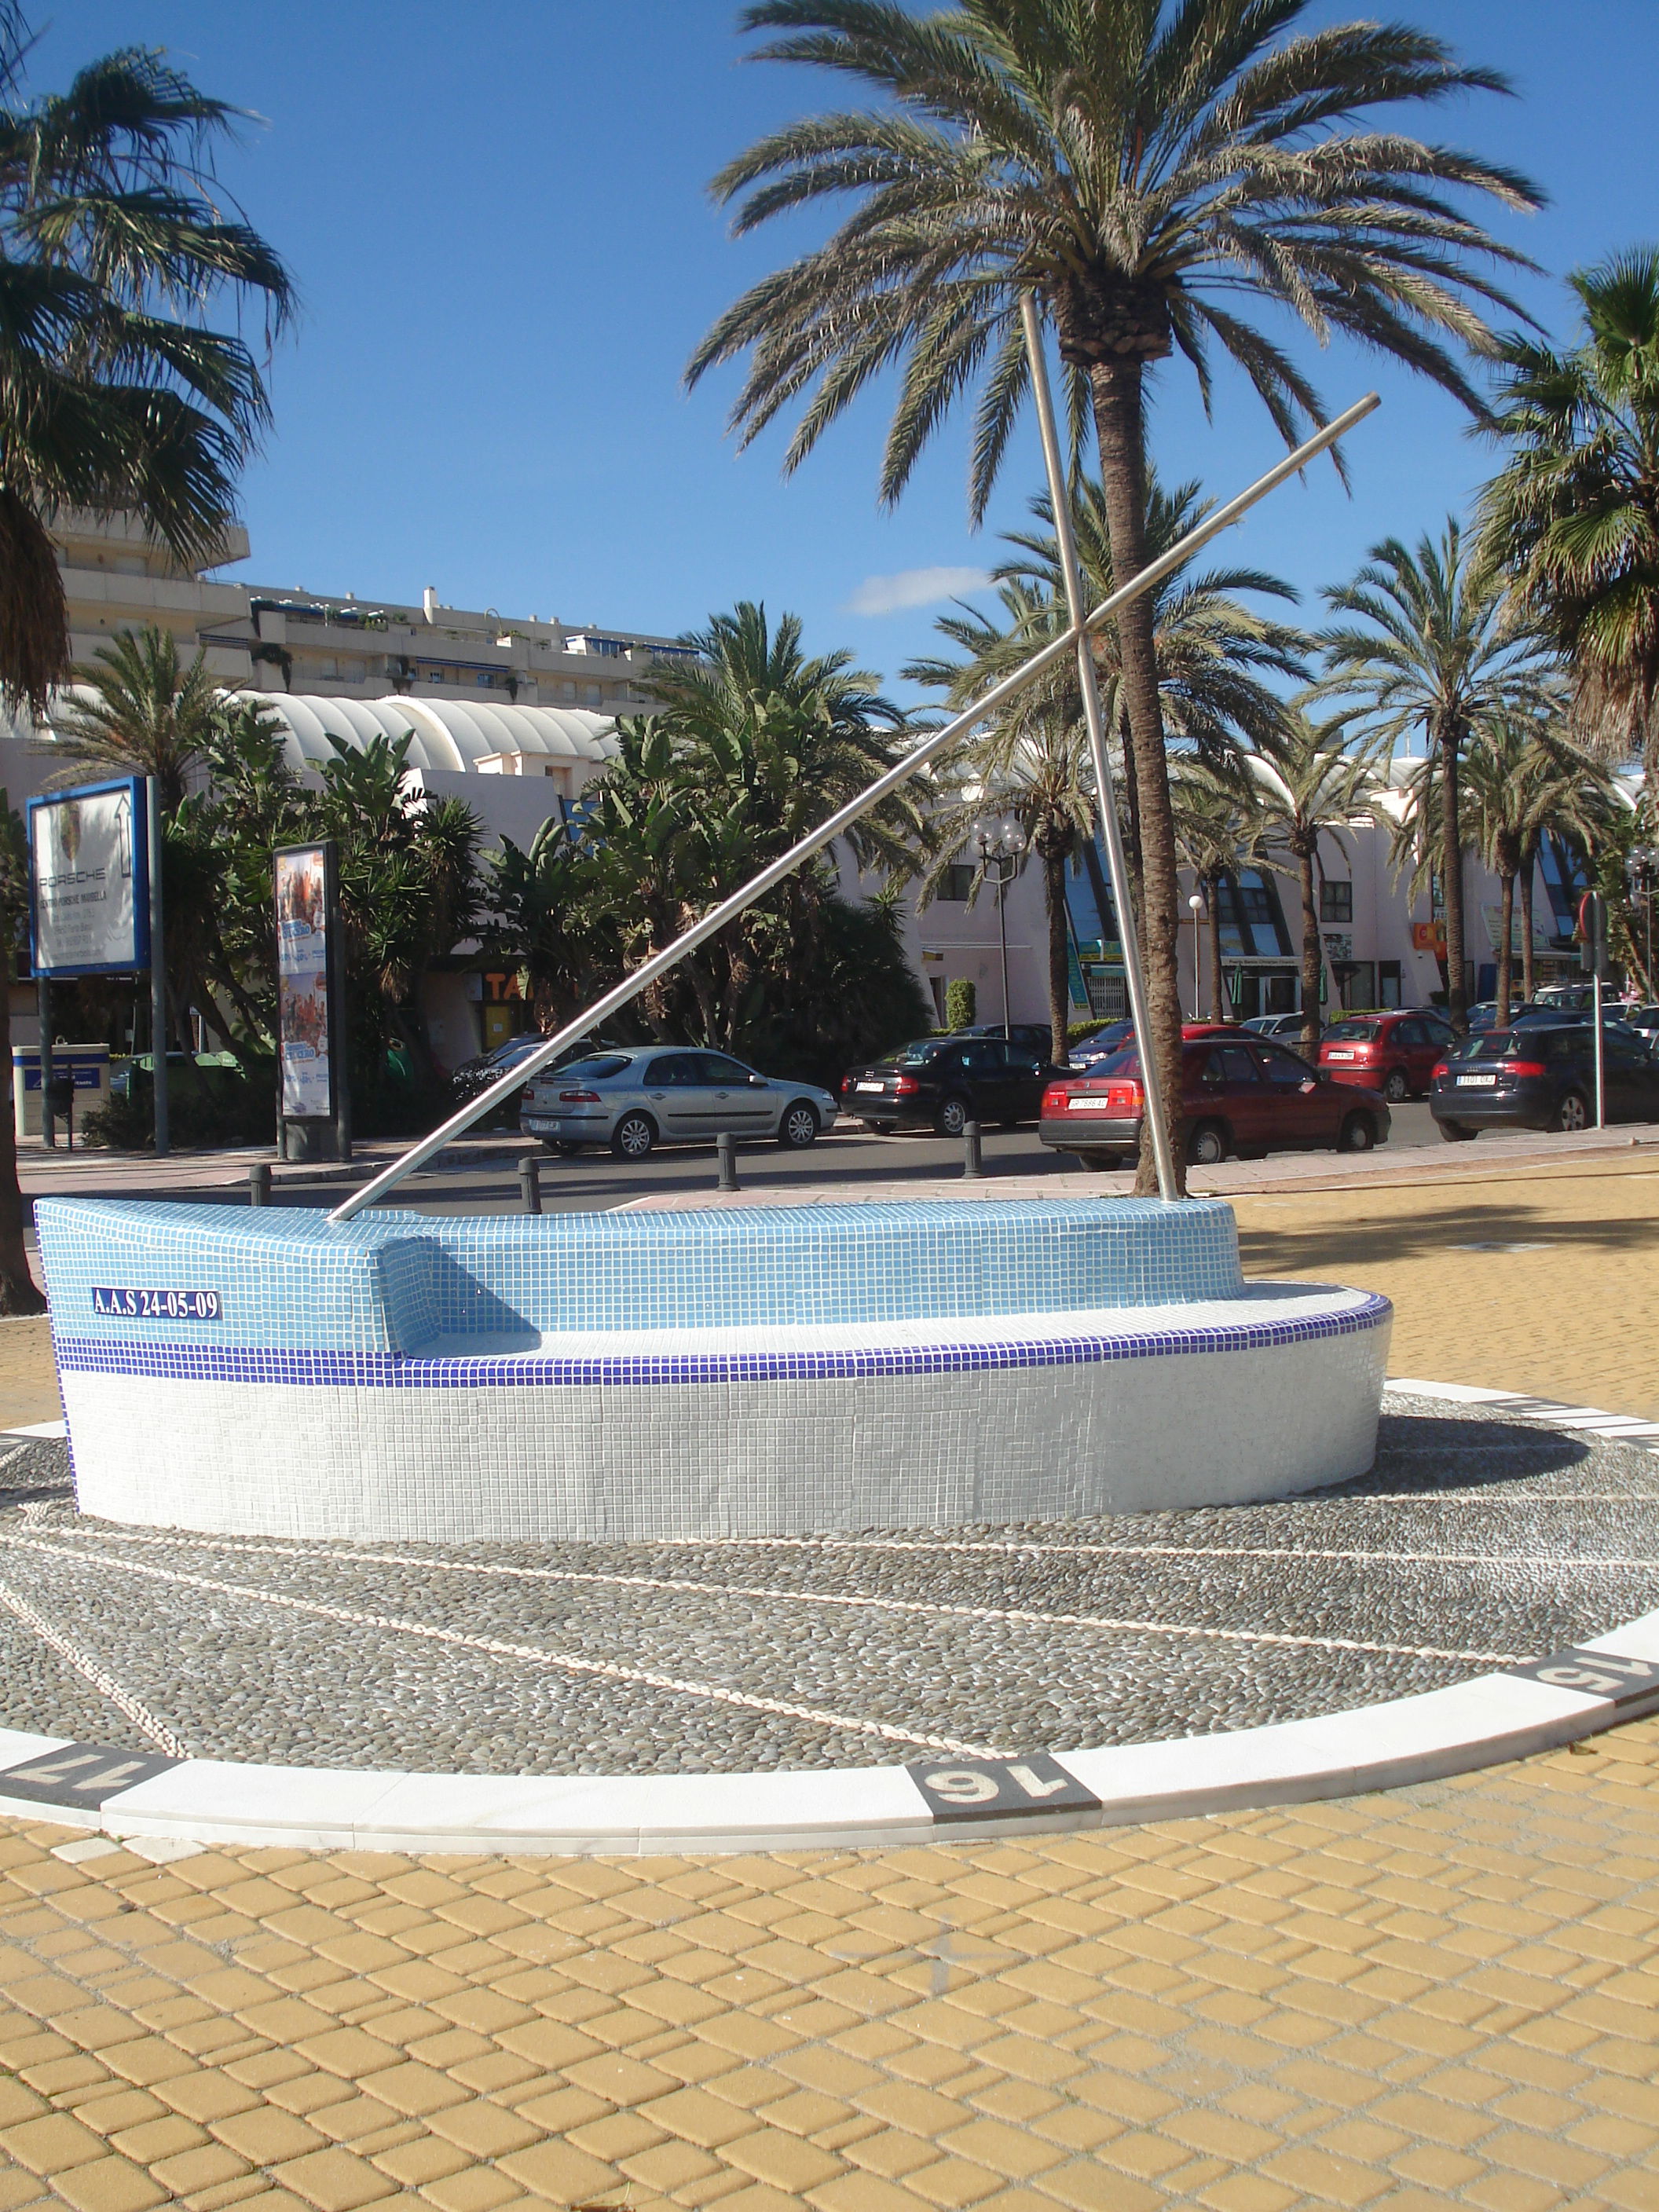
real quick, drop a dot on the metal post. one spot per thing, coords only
(925, 749)
(1152, 1076)
(530, 1183)
(339, 1051)
(972, 1168)
(158, 972)
(1600, 1045)
(726, 1148)
(48, 1131)
(258, 1183)
(1004, 870)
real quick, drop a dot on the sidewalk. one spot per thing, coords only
(1445, 1996)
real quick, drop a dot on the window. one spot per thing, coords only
(959, 880)
(717, 1068)
(1335, 901)
(678, 1069)
(1283, 1069)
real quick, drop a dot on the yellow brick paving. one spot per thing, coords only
(1442, 1995)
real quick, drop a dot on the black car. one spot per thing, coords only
(473, 1076)
(1542, 1078)
(942, 1083)
(1036, 1036)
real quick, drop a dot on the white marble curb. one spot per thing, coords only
(1492, 1718)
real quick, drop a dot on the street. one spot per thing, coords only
(595, 1181)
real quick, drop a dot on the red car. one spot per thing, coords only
(1240, 1093)
(1395, 1054)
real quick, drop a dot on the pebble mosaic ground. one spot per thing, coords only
(1479, 1540)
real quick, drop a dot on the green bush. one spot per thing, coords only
(961, 1003)
(207, 1106)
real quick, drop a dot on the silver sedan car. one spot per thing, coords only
(636, 1100)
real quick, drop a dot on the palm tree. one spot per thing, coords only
(1212, 649)
(1147, 172)
(1309, 784)
(141, 711)
(1031, 764)
(18, 1291)
(1218, 829)
(116, 393)
(1521, 779)
(1434, 654)
(1573, 514)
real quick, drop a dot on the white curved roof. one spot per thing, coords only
(448, 734)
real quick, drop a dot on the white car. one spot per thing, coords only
(654, 1095)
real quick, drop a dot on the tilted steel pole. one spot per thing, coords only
(1152, 1076)
(917, 758)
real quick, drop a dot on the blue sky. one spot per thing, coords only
(498, 220)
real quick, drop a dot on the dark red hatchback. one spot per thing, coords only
(1395, 1054)
(1240, 1093)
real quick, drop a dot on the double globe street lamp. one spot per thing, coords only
(1001, 844)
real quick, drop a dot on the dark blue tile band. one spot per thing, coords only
(198, 1363)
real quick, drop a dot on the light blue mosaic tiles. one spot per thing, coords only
(390, 1282)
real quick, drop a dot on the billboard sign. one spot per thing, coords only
(304, 916)
(89, 880)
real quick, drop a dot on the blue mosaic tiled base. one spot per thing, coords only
(730, 1372)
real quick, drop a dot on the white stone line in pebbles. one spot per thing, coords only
(1024, 1617)
(16, 1452)
(87, 1668)
(529, 1654)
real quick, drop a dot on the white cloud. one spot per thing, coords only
(914, 587)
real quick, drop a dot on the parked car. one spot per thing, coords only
(944, 1083)
(1644, 1018)
(1395, 1054)
(1035, 1037)
(1275, 1025)
(1241, 1092)
(637, 1097)
(1484, 1015)
(1099, 1044)
(1539, 1076)
(472, 1076)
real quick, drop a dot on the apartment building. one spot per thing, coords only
(282, 638)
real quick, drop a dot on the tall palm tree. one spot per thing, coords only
(1309, 784)
(141, 710)
(1521, 778)
(1573, 512)
(116, 391)
(1032, 765)
(1219, 828)
(1214, 652)
(1429, 651)
(18, 1291)
(1149, 170)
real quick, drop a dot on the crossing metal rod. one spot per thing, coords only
(936, 742)
(1152, 1076)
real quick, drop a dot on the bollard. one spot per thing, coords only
(530, 1183)
(727, 1145)
(971, 1169)
(258, 1183)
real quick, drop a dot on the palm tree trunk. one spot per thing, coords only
(18, 1294)
(1505, 950)
(1120, 433)
(1451, 880)
(1220, 1011)
(1311, 962)
(1053, 899)
(1528, 862)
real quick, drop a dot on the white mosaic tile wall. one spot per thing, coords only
(478, 1379)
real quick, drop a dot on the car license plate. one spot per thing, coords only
(873, 1086)
(537, 1123)
(1485, 1082)
(1088, 1105)
(1334, 1054)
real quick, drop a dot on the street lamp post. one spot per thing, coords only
(1196, 905)
(1002, 842)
